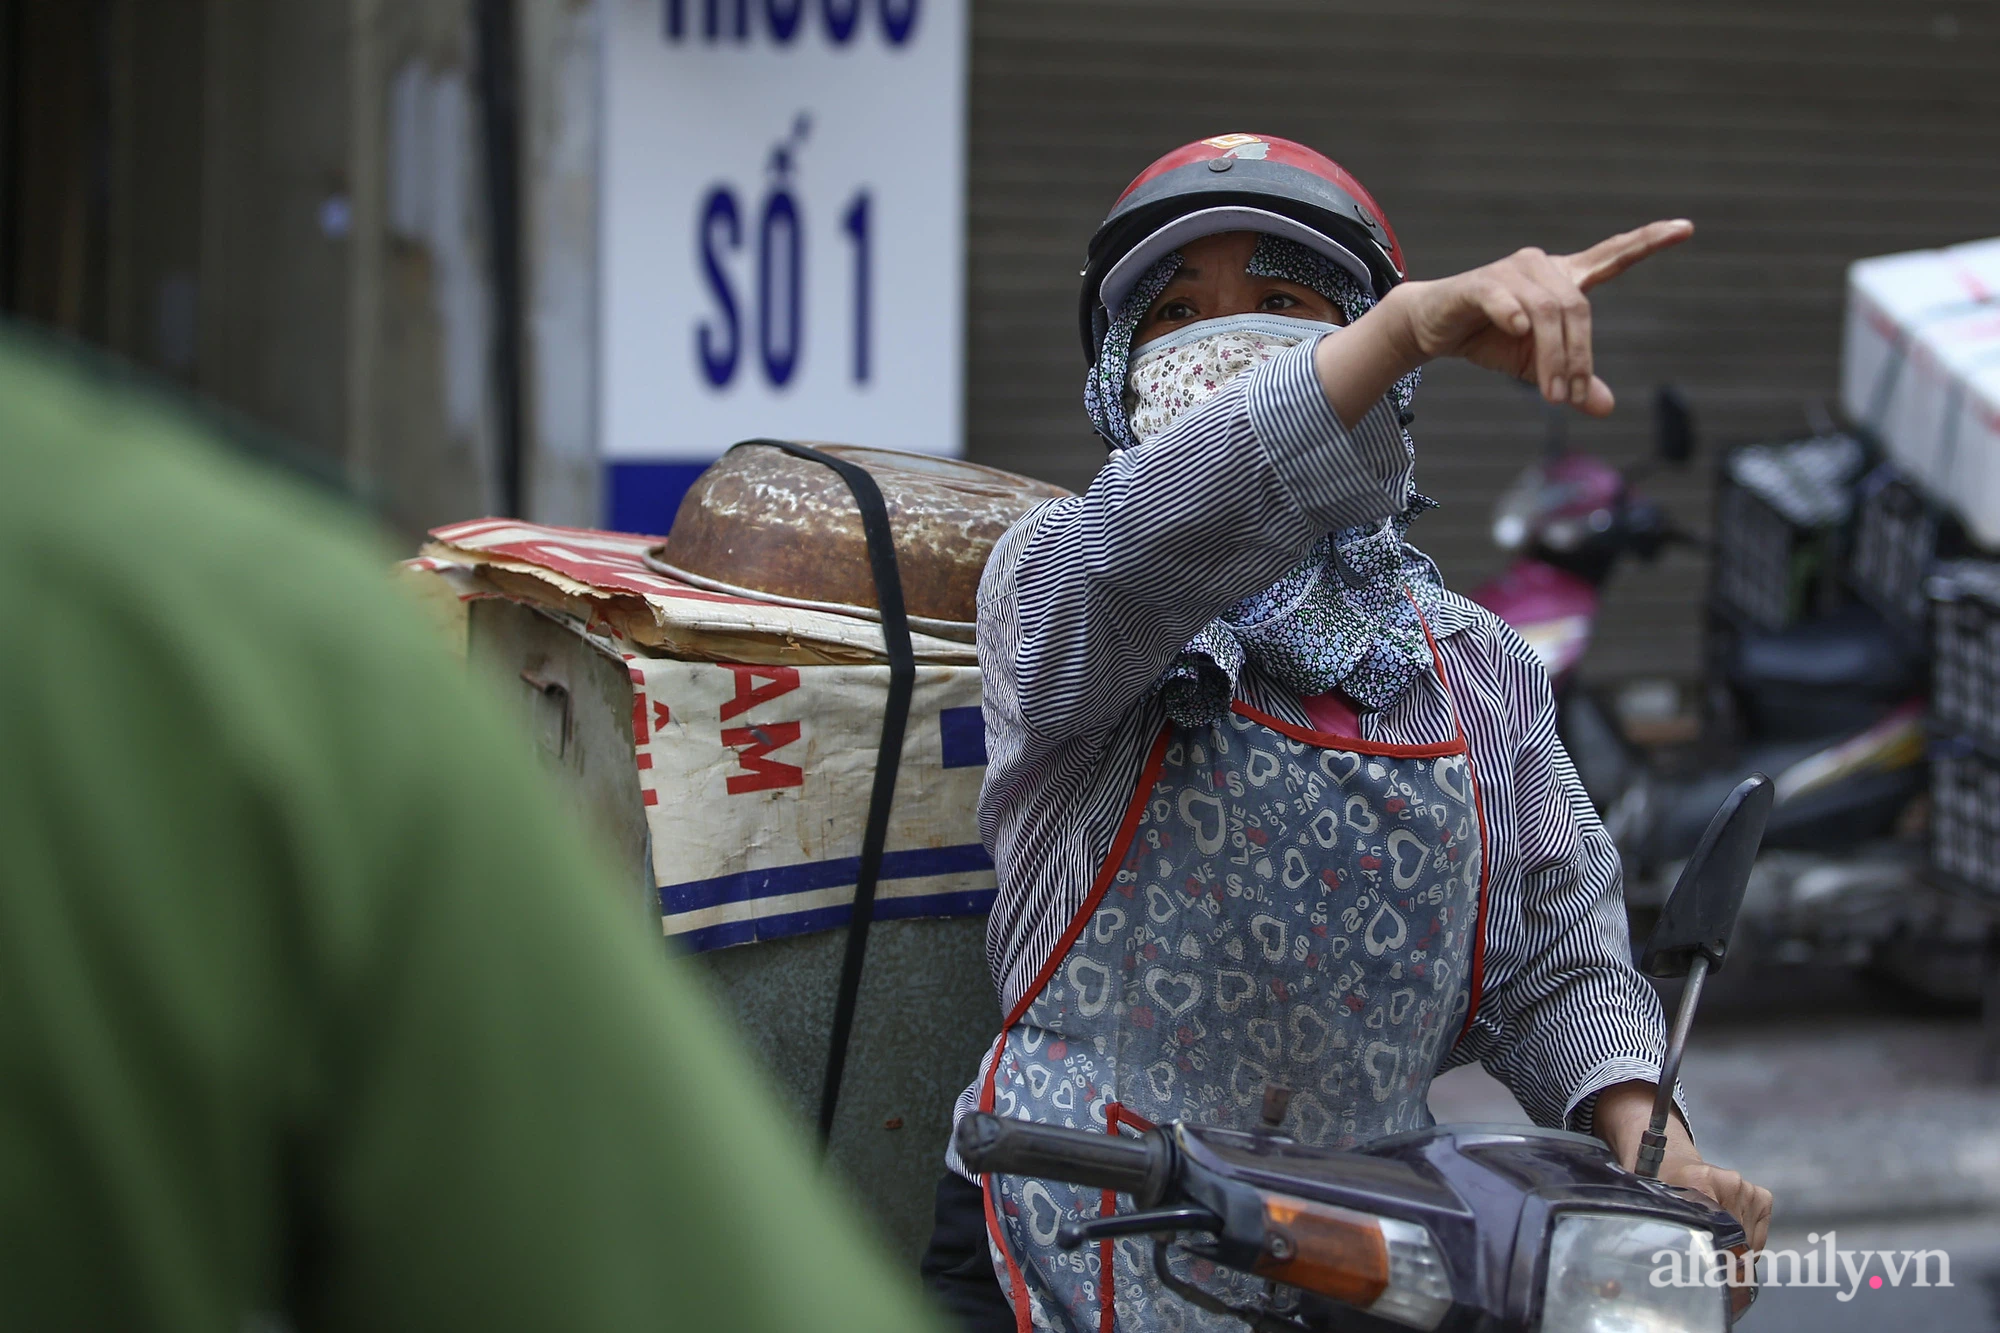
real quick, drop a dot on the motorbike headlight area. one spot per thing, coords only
(1627, 1273)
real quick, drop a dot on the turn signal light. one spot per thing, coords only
(1387, 1267)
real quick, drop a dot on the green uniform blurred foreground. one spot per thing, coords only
(290, 1023)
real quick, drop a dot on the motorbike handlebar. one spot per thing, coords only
(1141, 1167)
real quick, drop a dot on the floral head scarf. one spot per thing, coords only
(1348, 615)
(1104, 388)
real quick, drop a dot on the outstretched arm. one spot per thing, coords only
(1526, 315)
(1084, 606)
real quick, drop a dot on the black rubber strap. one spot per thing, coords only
(888, 759)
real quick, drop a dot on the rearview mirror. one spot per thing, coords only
(1673, 425)
(1693, 934)
(1701, 913)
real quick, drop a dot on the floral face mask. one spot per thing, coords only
(1190, 365)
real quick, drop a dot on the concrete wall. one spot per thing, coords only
(425, 429)
(559, 69)
(273, 322)
(282, 204)
(158, 109)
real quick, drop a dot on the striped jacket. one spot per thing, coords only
(1087, 599)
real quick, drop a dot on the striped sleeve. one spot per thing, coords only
(1109, 585)
(1565, 1014)
(1337, 476)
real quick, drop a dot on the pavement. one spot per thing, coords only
(1858, 1106)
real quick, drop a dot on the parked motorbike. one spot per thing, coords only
(1499, 1228)
(1832, 706)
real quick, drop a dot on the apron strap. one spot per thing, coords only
(1115, 1114)
(1437, 661)
(1476, 982)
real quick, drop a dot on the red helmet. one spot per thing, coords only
(1235, 182)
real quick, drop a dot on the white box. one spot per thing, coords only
(1920, 327)
(1944, 353)
(1886, 298)
(1982, 260)
(1976, 452)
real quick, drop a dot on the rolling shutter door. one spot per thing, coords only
(1799, 137)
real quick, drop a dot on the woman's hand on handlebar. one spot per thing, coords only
(1526, 315)
(1623, 1112)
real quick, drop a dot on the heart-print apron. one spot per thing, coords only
(1280, 905)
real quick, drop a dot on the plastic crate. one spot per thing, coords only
(1780, 512)
(1896, 542)
(1965, 814)
(1757, 560)
(1965, 649)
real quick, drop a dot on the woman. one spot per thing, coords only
(1270, 805)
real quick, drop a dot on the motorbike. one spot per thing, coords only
(1504, 1229)
(1832, 706)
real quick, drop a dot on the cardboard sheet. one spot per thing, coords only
(602, 579)
(755, 729)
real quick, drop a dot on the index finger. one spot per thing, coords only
(1612, 256)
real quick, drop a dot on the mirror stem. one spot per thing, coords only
(1653, 1143)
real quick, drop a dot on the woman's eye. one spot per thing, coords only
(1174, 310)
(1279, 301)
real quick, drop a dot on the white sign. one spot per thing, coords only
(782, 218)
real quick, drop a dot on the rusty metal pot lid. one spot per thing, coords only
(763, 524)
